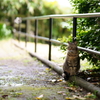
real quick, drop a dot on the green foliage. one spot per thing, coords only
(4, 31)
(88, 29)
(25, 8)
(10, 9)
(86, 6)
(64, 40)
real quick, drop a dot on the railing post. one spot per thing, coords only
(14, 31)
(50, 36)
(26, 33)
(19, 30)
(36, 33)
(74, 28)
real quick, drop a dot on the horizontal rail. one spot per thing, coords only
(64, 16)
(89, 50)
(57, 42)
(41, 38)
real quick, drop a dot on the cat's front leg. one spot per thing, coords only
(66, 76)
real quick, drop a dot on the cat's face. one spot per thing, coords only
(72, 45)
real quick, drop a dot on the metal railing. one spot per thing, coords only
(49, 39)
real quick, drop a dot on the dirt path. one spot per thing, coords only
(26, 78)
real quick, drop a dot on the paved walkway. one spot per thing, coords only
(26, 78)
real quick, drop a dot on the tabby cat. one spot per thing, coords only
(72, 62)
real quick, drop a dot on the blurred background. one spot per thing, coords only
(10, 9)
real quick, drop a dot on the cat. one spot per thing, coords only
(71, 65)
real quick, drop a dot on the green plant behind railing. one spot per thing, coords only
(5, 31)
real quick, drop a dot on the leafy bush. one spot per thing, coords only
(88, 29)
(4, 31)
(90, 39)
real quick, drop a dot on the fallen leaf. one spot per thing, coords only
(79, 89)
(39, 97)
(61, 92)
(48, 69)
(78, 97)
(69, 98)
(54, 80)
(4, 96)
(60, 80)
(75, 97)
(71, 89)
(88, 95)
